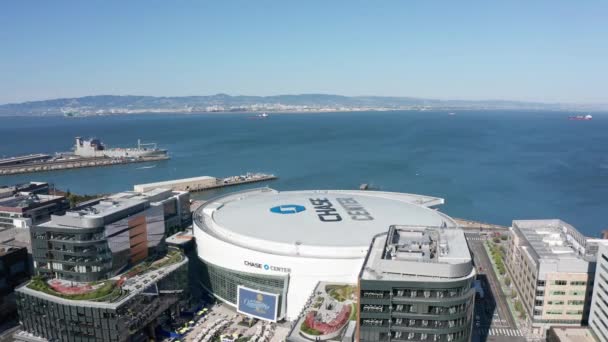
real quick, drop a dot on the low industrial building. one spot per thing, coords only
(28, 205)
(104, 271)
(598, 318)
(552, 266)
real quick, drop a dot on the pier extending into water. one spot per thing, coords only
(205, 182)
(72, 163)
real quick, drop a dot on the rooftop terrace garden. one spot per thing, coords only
(104, 291)
(173, 256)
(340, 293)
(109, 290)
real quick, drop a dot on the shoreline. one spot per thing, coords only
(295, 112)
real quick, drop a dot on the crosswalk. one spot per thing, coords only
(476, 238)
(499, 332)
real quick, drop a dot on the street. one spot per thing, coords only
(493, 319)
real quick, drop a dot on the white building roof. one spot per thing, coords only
(311, 221)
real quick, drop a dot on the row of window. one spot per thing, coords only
(416, 293)
(560, 302)
(413, 308)
(425, 323)
(411, 336)
(561, 312)
(563, 293)
(563, 283)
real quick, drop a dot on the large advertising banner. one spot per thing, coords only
(258, 304)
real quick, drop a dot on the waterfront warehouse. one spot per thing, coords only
(279, 245)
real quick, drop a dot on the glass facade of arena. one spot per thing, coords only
(223, 283)
(416, 311)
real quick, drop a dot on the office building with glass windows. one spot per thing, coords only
(598, 318)
(104, 271)
(552, 266)
(417, 285)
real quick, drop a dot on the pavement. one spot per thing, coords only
(235, 326)
(493, 318)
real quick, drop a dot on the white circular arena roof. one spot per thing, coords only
(308, 222)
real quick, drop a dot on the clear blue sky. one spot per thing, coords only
(522, 50)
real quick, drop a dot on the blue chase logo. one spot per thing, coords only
(288, 209)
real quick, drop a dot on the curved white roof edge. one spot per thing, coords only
(205, 221)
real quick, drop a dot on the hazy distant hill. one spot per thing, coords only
(111, 104)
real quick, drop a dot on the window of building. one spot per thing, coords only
(555, 302)
(578, 283)
(574, 312)
(558, 293)
(560, 282)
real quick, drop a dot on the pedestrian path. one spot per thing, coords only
(499, 332)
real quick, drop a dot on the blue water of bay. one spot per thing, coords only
(491, 166)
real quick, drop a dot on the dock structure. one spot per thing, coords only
(24, 159)
(72, 163)
(204, 182)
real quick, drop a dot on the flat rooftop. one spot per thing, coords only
(22, 201)
(106, 206)
(553, 239)
(269, 220)
(417, 251)
(170, 183)
(574, 334)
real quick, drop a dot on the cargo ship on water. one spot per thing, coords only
(95, 148)
(581, 117)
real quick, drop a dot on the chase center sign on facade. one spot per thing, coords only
(283, 243)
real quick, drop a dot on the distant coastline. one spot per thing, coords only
(317, 112)
(305, 103)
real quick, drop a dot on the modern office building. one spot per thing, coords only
(14, 270)
(104, 271)
(103, 237)
(281, 244)
(598, 318)
(417, 285)
(176, 206)
(126, 307)
(552, 266)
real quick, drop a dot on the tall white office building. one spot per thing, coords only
(598, 318)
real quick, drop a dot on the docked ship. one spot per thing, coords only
(580, 117)
(89, 148)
